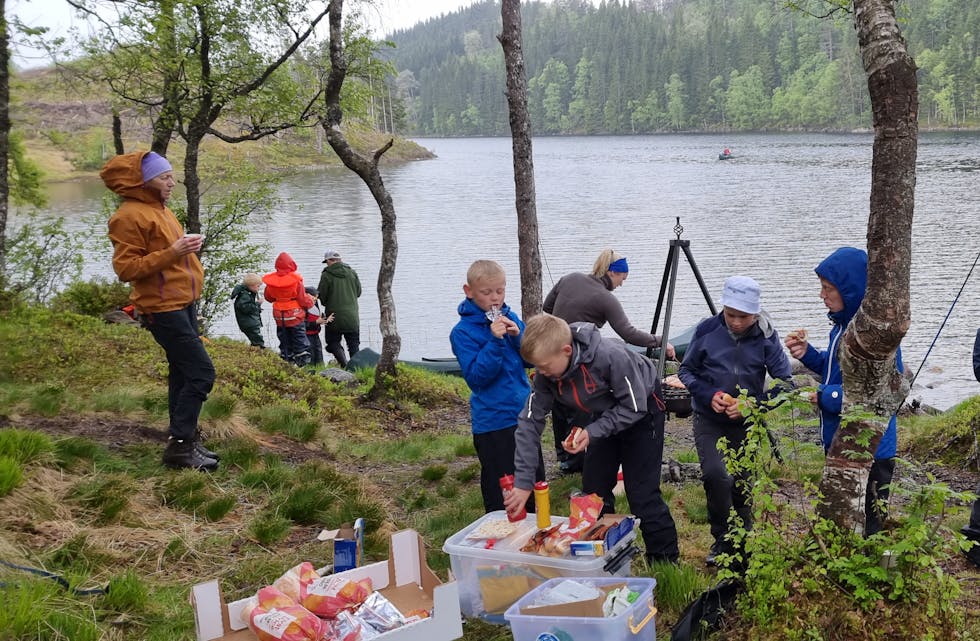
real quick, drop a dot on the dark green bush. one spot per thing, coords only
(92, 297)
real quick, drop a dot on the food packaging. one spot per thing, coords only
(273, 616)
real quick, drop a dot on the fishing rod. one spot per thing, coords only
(943, 324)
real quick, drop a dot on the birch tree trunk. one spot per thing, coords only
(867, 350)
(520, 130)
(367, 169)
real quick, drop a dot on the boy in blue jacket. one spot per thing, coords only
(843, 277)
(487, 343)
(728, 353)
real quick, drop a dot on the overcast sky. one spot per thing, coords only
(385, 16)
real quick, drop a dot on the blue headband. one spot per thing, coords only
(619, 266)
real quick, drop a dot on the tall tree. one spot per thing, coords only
(520, 130)
(867, 351)
(4, 137)
(191, 62)
(366, 167)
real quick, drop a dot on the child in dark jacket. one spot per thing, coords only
(729, 352)
(248, 309)
(313, 327)
(486, 341)
(614, 394)
(843, 277)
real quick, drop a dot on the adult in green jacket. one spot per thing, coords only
(339, 290)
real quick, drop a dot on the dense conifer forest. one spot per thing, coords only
(677, 65)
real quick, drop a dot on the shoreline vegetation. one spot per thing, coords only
(83, 495)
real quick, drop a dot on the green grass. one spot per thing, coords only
(239, 453)
(107, 496)
(218, 405)
(127, 593)
(36, 609)
(11, 475)
(687, 456)
(70, 451)
(290, 420)
(24, 446)
(434, 473)
(695, 504)
(415, 448)
(269, 527)
(218, 508)
(468, 473)
(677, 585)
(118, 400)
(186, 490)
(48, 400)
(272, 475)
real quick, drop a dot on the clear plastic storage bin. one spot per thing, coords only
(490, 580)
(638, 623)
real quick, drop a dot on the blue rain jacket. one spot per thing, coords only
(492, 367)
(847, 270)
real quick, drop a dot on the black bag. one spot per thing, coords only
(704, 614)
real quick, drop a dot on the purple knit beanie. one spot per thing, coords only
(152, 165)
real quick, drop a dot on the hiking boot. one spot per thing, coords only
(717, 549)
(184, 454)
(203, 450)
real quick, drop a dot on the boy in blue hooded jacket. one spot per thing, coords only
(843, 277)
(487, 343)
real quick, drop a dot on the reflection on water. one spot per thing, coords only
(772, 212)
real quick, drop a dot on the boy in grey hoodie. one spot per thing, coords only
(614, 394)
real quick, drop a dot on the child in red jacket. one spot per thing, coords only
(284, 289)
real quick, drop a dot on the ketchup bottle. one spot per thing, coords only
(507, 486)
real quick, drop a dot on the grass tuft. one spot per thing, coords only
(11, 475)
(286, 419)
(24, 446)
(186, 490)
(468, 473)
(307, 504)
(127, 593)
(218, 406)
(108, 495)
(69, 451)
(269, 527)
(242, 453)
(48, 400)
(118, 400)
(34, 609)
(677, 585)
(434, 473)
(218, 508)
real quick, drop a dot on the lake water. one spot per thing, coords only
(773, 212)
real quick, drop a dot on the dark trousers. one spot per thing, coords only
(254, 335)
(496, 453)
(876, 495)
(972, 531)
(191, 375)
(722, 491)
(316, 349)
(332, 339)
(640, 450)
(293, 344)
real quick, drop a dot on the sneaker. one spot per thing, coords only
(184, 454)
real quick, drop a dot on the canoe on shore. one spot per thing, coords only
(367, 357)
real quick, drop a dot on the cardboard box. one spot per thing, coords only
(348, 541)
(404, 579)
(589, 608)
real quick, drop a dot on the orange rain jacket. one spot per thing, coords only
(284, 289)
(142, 231)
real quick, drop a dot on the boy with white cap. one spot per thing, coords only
(729, 353)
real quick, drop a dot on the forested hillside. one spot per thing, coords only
(670, 65)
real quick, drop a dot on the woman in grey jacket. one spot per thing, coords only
(589, 298)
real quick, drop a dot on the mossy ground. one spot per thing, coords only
(83, 420)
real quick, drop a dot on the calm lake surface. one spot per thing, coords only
(773, 212)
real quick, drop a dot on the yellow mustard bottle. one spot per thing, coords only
(542, 507)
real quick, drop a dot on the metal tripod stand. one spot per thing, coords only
(667, 285)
